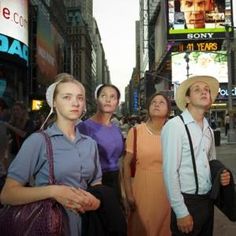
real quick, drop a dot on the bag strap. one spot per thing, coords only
(49, 153)
(192, 154)
(135, 143)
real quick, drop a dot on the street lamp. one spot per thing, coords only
(186, 57)
(231, 133)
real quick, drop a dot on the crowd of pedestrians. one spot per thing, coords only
(169, 192)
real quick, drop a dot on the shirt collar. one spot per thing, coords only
(53, 130)
(189, 119)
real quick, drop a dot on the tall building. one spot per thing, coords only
(144, 57)
(56, 36)
(81, 45)
(176, 51)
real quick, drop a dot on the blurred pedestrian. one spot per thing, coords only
(213, 122)
(115, 120)
(76, 161)
(186, 170)
(20, 126)
(146, 193)
(4, 110)
(4, 142)
(226, 123)
(39, 120)
(124, 126)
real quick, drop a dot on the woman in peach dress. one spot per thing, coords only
(146, 193)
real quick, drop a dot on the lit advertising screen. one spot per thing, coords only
(36, 105)
(198, 19)
(50, 50)
(200, 63)
(14, 30)
(203, 45)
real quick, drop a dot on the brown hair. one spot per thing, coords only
(164, 96)
(109, 86)
(187, 94)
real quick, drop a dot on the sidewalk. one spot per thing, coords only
(226, 153)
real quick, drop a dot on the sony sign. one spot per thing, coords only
(224, 92)
(200, 36)
(13, 47)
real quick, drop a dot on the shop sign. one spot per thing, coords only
(13, 47)
(224, 92)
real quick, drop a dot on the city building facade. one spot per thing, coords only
(41, 38)
(176, 51)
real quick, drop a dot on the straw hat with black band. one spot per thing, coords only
(212, 82)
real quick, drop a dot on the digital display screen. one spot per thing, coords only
(200, 63)
(13, 50)
(14, 19)
(210, 45)
(14, 31)
(50, 49)
(198, 19)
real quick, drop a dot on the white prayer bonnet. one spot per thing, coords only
(96, 91)
(51, 89)
(49, 98)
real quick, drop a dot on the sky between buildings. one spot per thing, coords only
(116, 22)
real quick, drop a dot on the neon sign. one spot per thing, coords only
(13, 47)
(224, 92)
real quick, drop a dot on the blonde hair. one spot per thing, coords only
(66, 78)
(52, 92)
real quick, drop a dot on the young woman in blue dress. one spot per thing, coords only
(76, 160)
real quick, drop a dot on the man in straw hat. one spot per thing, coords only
(188, 187)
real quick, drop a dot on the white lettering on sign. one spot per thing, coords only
(14, 47)
(14, 19)
(200, 36)
(46, 56)
(224, 92)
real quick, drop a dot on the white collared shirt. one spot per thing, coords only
(177, 160)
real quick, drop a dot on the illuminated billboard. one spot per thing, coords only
(14, 30)
(36, 105)
(203, 45)
(198, 19)
(200, 63)
(50, 50)
(14, 19)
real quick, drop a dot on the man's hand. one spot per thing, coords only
(225, 178)
(185, 224)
